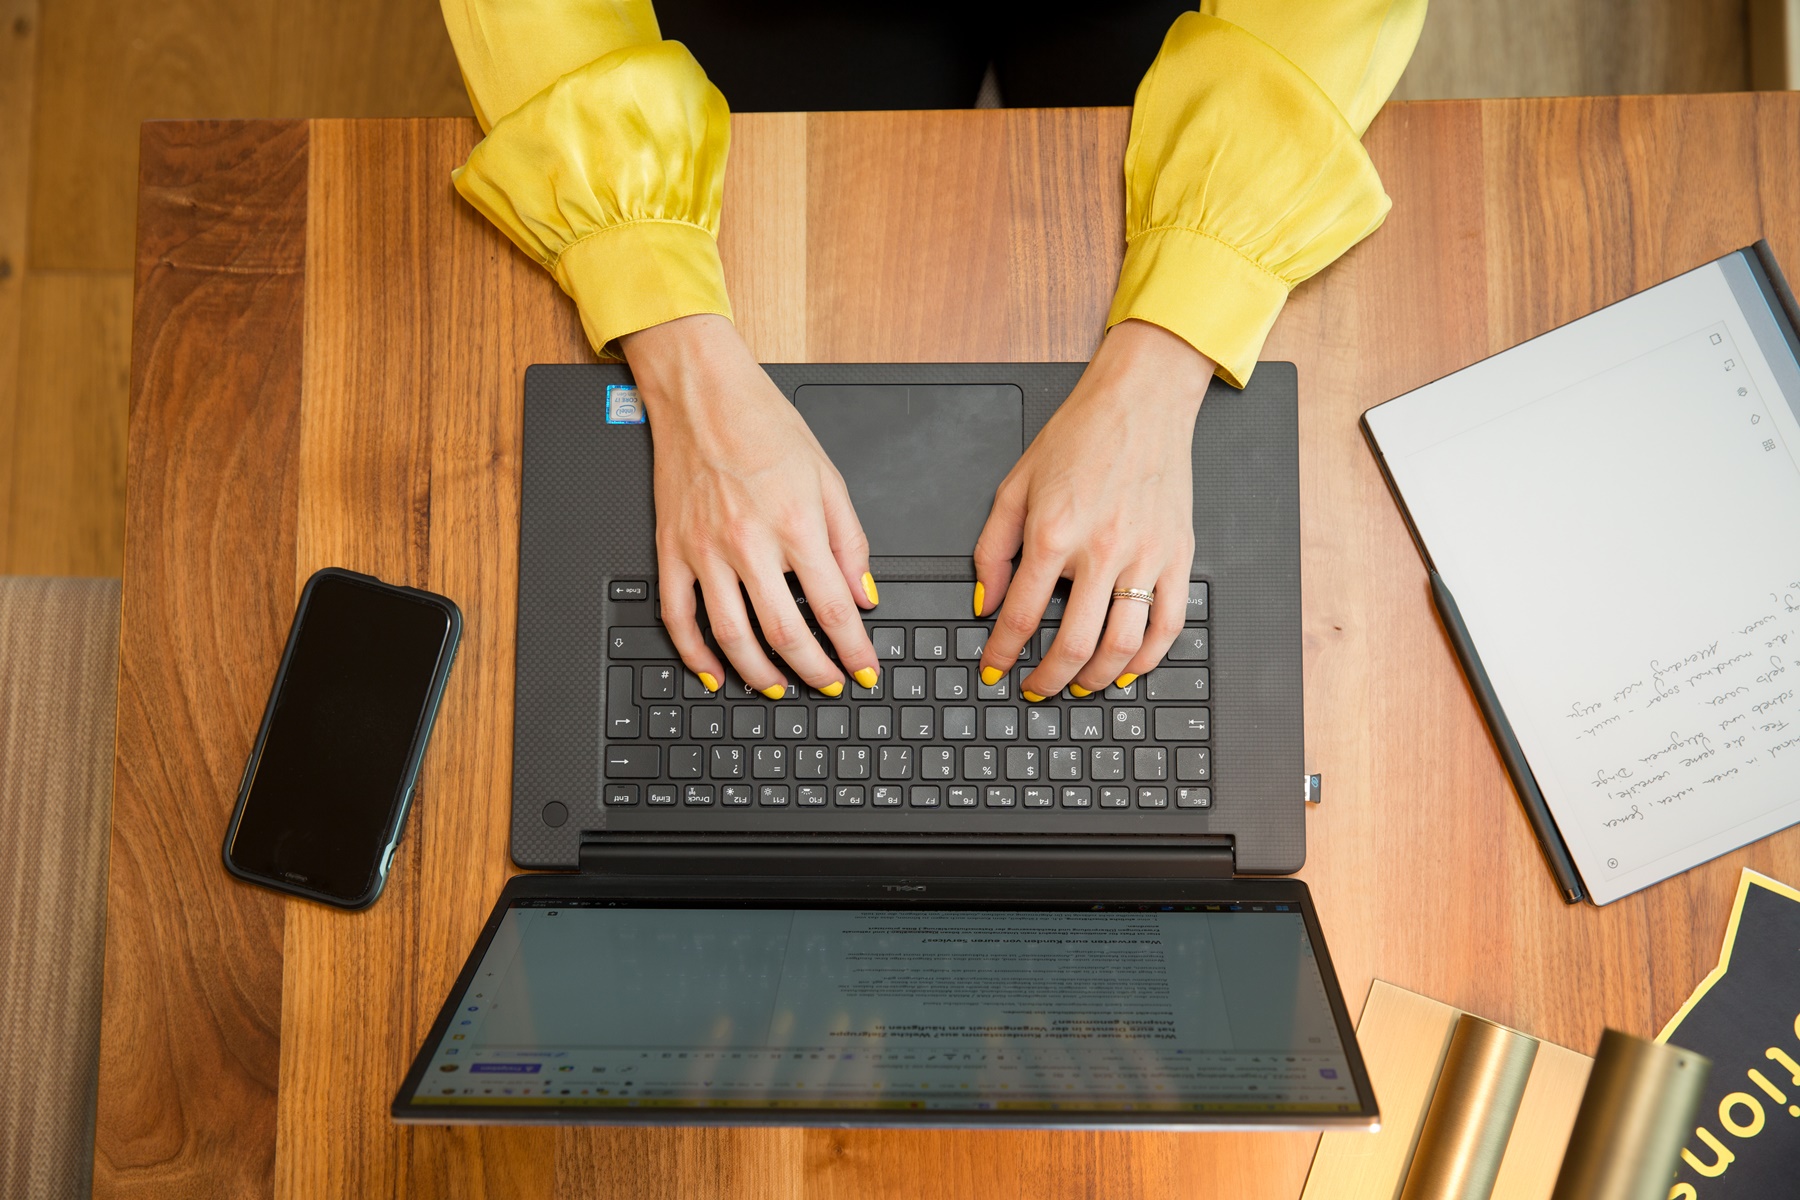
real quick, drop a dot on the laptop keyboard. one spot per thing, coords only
(929, 736)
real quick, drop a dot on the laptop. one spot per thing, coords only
(926, 902)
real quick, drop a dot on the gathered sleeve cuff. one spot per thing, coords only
(612, 178)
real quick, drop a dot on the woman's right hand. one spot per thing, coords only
(744, 494)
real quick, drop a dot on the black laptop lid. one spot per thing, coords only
(1172, 1005)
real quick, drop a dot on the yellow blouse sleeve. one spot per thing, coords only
(1245, 173)
(604, 157)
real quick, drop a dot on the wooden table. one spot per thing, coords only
(327, 366)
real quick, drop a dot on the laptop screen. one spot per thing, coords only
(1172, 1009)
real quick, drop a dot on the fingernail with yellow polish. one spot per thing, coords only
(867, 675)
(1031, 696)
(980, 595)
(1124, 680)
(834, 690)
(871, 592)
(708, 682)
(1075, 689)
(775, 691)
(991, 675)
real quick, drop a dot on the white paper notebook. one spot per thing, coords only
(1615, 507)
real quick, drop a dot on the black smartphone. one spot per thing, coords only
(330, 778)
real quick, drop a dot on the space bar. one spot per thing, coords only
(905, 601)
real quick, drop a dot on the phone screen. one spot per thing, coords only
(355, 695)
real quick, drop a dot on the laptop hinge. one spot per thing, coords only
(1049, 858)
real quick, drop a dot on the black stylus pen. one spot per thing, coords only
(1556, 851)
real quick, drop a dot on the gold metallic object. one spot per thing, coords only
(1472, 1110)
(1141, 595)
(1636, 1114)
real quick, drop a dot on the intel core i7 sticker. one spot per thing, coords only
(622, 405)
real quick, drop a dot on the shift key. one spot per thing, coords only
(639, 641)
(1182, 724)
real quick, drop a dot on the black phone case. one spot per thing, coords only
(415, 756)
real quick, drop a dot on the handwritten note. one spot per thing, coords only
(1616, 508)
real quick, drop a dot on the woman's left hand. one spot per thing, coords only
(1103, 497)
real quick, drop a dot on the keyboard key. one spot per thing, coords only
(959, 723)
(737, 689)
(886, 796)
(1193, 764)
(859, 692)
(980, 762)
(1002, 723)
(874, 722)
(930, 642)
(657, 683)
(1078, 797)
(727, 762)
(735, 795)
(1038, 797)
(768, 762)
(707, 720)
(692, 688)
(896, 762)
(971, 640)
(1002, 797)
(852, 762)
(937, 762)
(1128, 724)
(811, 762)
(621, 713)
(790, 720)
(664, 723)
(833, 721)
(890, 642)
(1179, 683)
(684, 762)
(1149, 764)
(908, 683)
(629, 589)
(1000, 689)
(660, 795)
(621, 794)
(633, 762)
(1115, 797)
(1182, 724)
(1196, 605)
(1022, 762)
(1190, 645)
(950, 683)
(1087, 723)
(749, 722)
(1106, 762)
(1193, 797)
(924, 795)
(811, 795)
(639, 641)
(1046, 638)
(963, 797)
(1043, 723)
(697, 795)
(848, 795)
(1065, 762)
(772, 795)
(1128, 692)
(916, 722)
(1153, 797)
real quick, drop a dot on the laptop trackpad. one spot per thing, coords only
(921, 460)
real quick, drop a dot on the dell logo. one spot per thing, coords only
(904, 887)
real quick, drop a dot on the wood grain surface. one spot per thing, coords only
(387, 439)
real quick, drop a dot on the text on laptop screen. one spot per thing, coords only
(921, 460)
(1205, 1008)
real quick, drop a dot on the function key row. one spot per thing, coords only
(854, 795)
